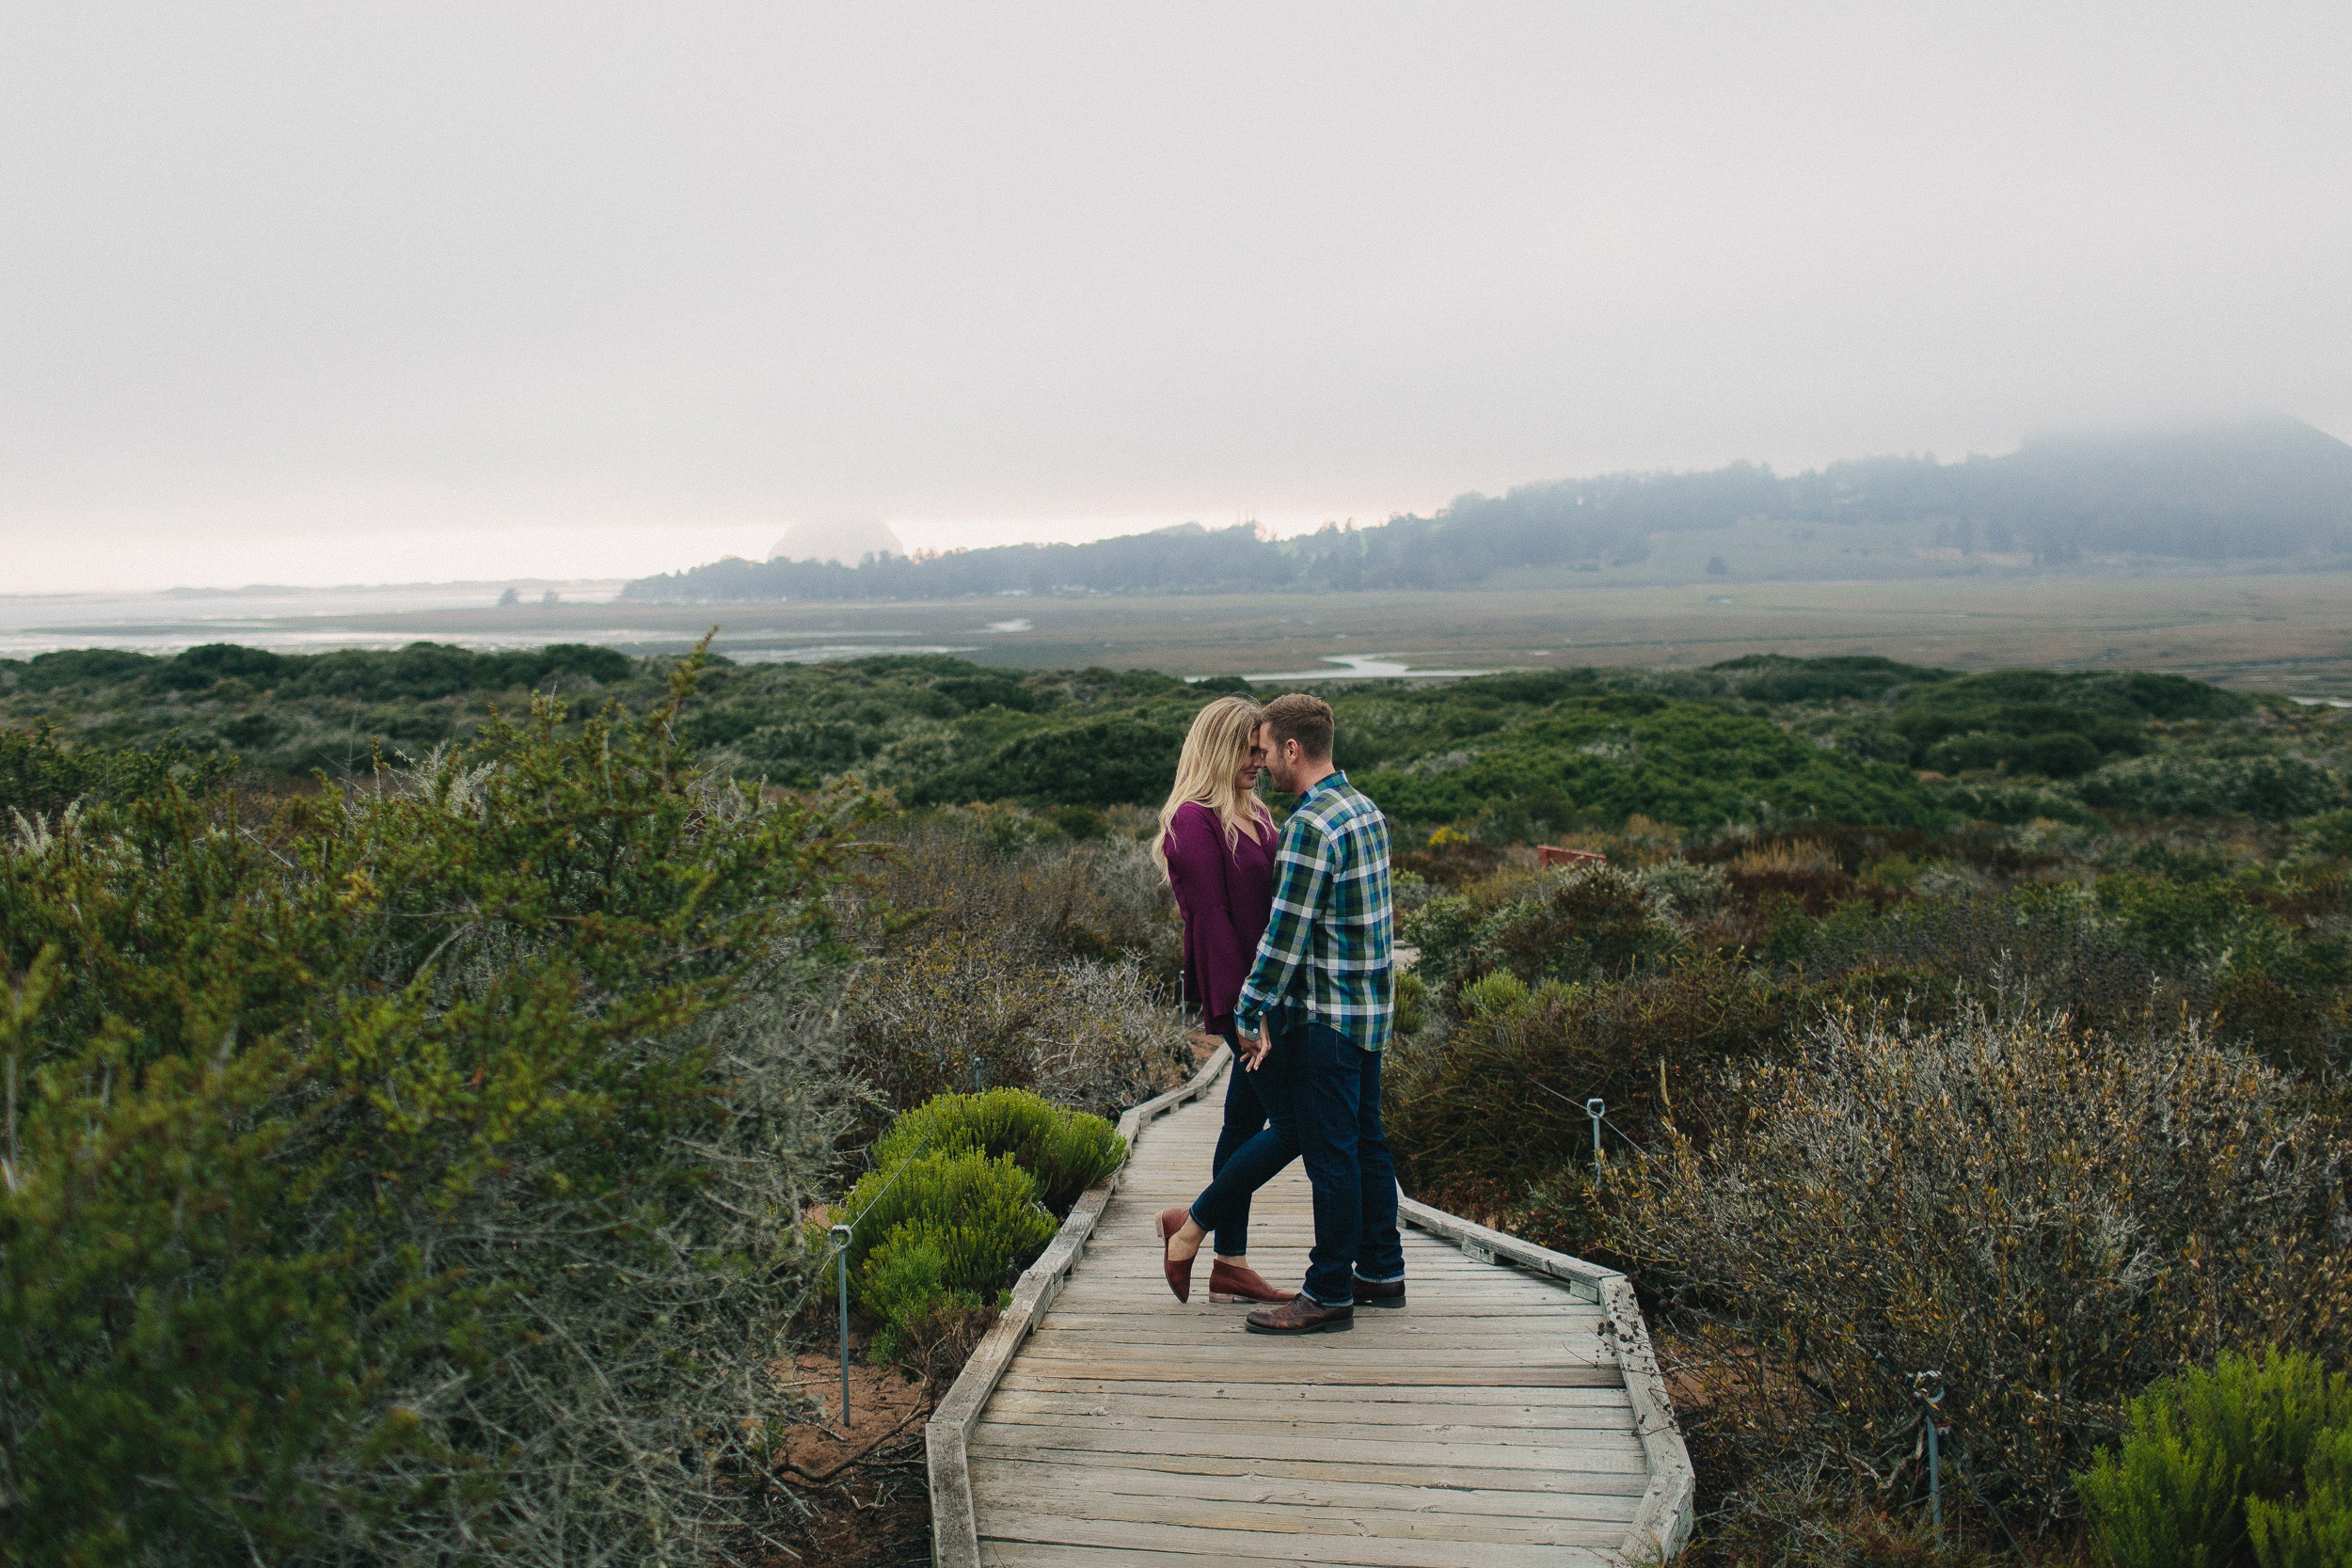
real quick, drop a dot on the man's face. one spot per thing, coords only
(1280, 761)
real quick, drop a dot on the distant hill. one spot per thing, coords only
(2262, 489)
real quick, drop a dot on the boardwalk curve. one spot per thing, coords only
(1511, 1415)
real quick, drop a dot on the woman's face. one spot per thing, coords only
(1252, 764)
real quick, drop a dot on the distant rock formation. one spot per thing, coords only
(844, 541)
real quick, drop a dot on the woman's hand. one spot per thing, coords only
(1254, 1048)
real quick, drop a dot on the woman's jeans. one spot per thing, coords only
(1252, 1146)
(1244, 1118)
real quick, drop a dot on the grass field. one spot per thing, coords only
(2290, 633)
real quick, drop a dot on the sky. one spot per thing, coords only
(377, 292)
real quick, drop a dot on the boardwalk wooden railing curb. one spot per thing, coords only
(947, 1439)
(1668, 1503)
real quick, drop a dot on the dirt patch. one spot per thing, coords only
(855, 1494)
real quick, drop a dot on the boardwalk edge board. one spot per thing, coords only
(1662, 1524)
(947, 1439)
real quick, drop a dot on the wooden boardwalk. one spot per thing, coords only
(1489, 1424)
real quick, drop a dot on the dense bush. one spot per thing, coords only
(2205, 1455)
(1597, 922)
(953, 1011)
(1487, 1115)
(1086, 763)
(1603, 759)
(2053, 1220)
(2273, 788)
(41, 779)
(411, 1175)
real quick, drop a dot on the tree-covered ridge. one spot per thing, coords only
(2267, 489)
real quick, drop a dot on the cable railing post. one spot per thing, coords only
(1920, 1384)
(1596, 1108)
(841, 1234)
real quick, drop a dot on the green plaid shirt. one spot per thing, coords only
(1325, 955)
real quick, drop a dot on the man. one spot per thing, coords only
(1318, 1001)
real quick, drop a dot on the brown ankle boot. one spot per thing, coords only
(1228, 1284)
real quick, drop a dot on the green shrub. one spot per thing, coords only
(1412, 1001)
(1497, 994)
(1064, 1151)
(957, 1226)
(2205, 1455)
(1089, 763)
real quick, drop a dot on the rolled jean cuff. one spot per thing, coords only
(1393, 1279)
(1320, 1302)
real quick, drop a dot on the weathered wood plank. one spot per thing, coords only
(1332, 1350)
(1621, 1458)
(1418, 1376)
(1030, 1477)
(1244, 1429)
(1025, 1379)
(1215, 1469)
(1003, 1500)
(1012, 1403)
(1188, 1337)
(1225, 1545)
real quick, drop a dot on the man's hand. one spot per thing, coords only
(1254, 1048)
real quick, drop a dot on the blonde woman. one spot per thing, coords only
(1217, 845)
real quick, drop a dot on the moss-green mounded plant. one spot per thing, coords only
(1064, 1151)
(940, 1227)
(2205, 1455)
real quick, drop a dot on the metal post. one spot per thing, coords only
(1920, 1384)
(841, 1234)
(1596, 1108)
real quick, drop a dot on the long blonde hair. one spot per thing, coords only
(1214, 748)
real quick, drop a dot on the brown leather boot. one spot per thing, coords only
(1301, 1314)
(1228, 1284)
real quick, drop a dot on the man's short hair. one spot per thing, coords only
(1295, 716)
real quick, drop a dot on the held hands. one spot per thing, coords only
(1254, 1048)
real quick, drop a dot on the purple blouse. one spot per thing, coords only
(1225, 896)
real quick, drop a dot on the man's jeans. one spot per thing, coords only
(1322, 1099)
(1335, 1097)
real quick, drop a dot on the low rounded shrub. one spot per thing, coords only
(1064, 1151)
(940, 1227)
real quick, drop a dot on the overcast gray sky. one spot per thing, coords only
(361, 292)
